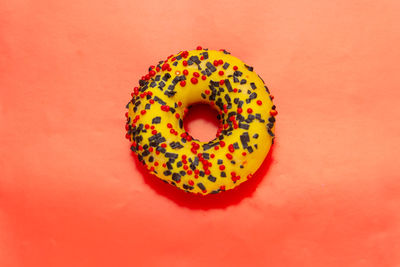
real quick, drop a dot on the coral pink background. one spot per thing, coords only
(71, 193)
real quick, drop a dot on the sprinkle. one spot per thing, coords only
(185, 72)
(221, 72)
(259, 102)
(182, 83)
(193, 80)
(273, 112)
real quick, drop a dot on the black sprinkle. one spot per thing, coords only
(171, 155)
(201, 186)
(211, 178)
(244, 139)
(176, 177)
(225, 66)
(156, 120)
(210, 67)
(243, 126)
(169, 165)
(237, 73)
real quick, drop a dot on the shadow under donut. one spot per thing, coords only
(211, 201)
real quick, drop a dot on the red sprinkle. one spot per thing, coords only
(235, 67)
(215, 63)
(203, 77)
(229, 156)
(151, 101)
(154, 132)
(185, 72)
(194, 80)
(249, 110)
(179, 103)
(207, 92)
(182, 83)
(231, 148)
(169, 125)
(220, 62)
(221, 72)
(191, 182)
(244, 153)
(184, 63)
(143, 112)
(164, 145)
(196, 74)
(273, 112)
(199, 48)
(259, 102)
(239, 110)
(165, 108)
(212, 156)
(221, 167)
(177, 115)
(221, 82)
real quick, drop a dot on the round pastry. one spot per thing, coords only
(158, 107)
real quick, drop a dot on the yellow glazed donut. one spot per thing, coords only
(158, 107)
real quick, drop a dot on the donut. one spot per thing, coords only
(154, 121)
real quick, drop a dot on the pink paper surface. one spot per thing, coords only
(72, 194)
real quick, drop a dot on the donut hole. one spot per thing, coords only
(201, 122)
